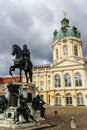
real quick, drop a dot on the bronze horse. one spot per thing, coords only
(19, 62)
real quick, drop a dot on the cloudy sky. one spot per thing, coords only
(33, 22)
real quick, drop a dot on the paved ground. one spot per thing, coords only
(62, 120)
(64, 117)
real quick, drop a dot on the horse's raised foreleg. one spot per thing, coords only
(11, 69)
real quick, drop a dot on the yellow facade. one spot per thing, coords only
(64, 81)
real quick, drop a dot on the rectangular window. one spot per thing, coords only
(65, 49)
(41, 75)
(75, 51)
(41, 85)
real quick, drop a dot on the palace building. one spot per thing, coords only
(64, 81)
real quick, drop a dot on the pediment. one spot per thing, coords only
(67, 63)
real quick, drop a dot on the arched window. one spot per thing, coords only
(57, 80)
(56, 53)
(68, 99)
(78, 79)
(75, 51)
(58, 99)
(65, 50)
(80, 99)
(67, 79)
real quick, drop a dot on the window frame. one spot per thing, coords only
(68, 99)
(58, 99)
(65, 50)
(78, 79)
(80, 100)
(67, 80)
(57, 79)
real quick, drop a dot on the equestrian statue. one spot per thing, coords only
(22, 61)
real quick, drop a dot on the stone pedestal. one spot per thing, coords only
(9, 117)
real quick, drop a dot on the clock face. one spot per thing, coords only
(64, 40)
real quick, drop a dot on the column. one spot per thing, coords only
(62, 87)
(52, 96)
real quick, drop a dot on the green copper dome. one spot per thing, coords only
(66, 30)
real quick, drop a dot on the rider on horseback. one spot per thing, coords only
(26, 56)
(22, 61)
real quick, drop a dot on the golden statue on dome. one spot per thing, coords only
(64, 14)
